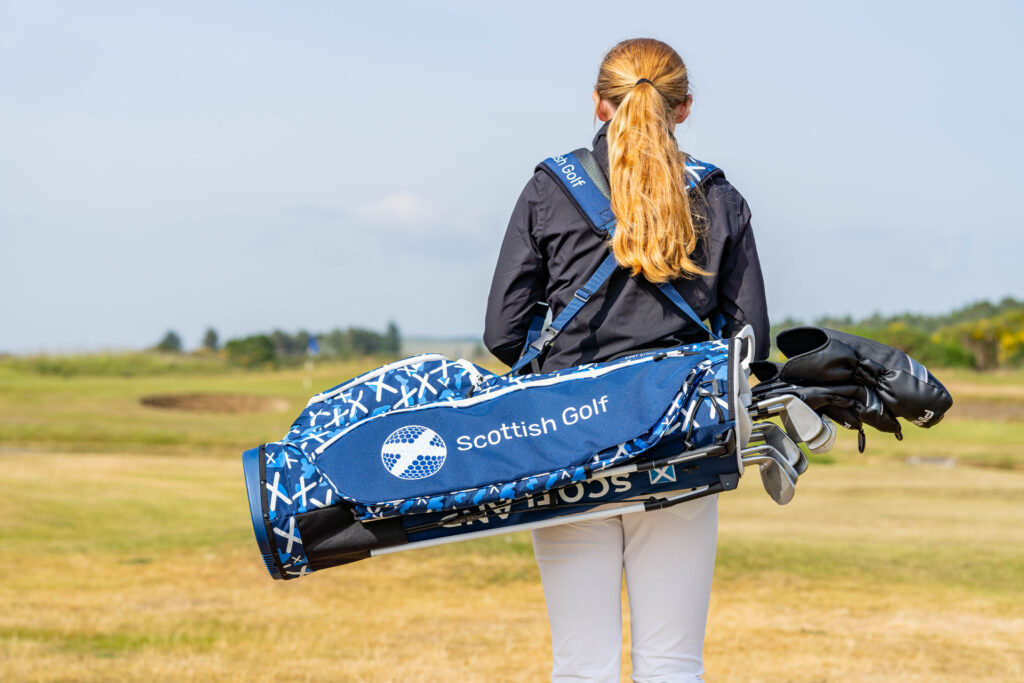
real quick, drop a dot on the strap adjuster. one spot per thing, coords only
(609, 225)
(583, 294)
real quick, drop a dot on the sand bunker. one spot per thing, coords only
(215, 403)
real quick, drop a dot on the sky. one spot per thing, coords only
(311, 165)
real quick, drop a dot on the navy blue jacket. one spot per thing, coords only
(550, 250)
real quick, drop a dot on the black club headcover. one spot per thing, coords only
(828, 359)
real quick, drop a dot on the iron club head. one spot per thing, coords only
(780, 441)
(777, 476)
(826, 441)
(800, 421)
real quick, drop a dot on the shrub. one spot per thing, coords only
(251, 352)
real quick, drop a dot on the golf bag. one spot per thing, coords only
(430, 450)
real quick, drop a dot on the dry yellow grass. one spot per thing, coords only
(921, 578)
(124, 566)
(149, 571)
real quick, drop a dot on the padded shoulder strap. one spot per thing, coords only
(579, 175)
(589, 196)
(698, 171)
(583, 179)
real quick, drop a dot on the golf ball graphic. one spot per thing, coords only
(413, 452)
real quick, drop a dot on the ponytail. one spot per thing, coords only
(655, 233)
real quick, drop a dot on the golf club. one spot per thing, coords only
(799, 420)
(773, 436)
(826, 445)
(778, 477)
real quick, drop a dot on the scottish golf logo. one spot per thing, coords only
(413, 452)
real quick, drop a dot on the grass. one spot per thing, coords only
(117, 364)
(133, 557)
(104, 414)
(134, 566)
(985, 426)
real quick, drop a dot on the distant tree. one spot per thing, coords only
(837, 322)
(171, 343)
(335, 343)
(392, 339)
(364, 341)
(281, 346)
(251, 352)
(946, 351)
(302, 341)
(282, 342)
(981, 338)
(211, 342)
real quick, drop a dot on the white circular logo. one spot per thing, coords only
(413, 452)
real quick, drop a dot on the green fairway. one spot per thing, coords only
(105, 414)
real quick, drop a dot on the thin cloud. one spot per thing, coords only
(400, 207)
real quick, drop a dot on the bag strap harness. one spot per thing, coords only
(583, 181)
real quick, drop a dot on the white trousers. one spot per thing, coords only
(668, 556)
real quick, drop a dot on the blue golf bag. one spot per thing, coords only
(430, 450)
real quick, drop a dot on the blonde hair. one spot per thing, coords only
(655, 234)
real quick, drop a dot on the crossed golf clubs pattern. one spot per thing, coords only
(295, 485)
(411, 384)
(701, 402)
(293, 482)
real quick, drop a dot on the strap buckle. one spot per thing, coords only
(609, 225)
(545, 340)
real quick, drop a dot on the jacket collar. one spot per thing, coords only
(600, 145)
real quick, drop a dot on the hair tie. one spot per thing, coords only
(642, 80)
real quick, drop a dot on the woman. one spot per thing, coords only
(702, 243)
